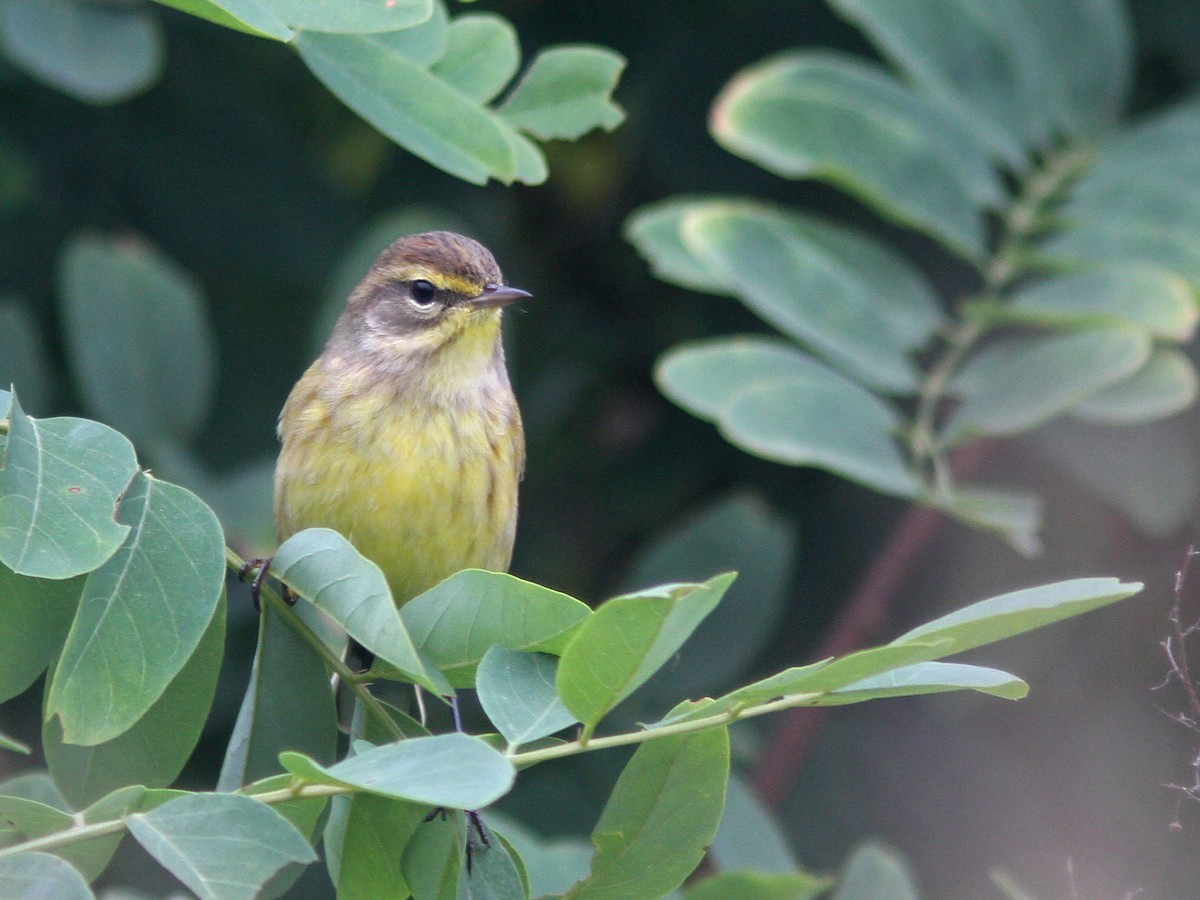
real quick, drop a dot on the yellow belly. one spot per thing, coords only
(421, 488)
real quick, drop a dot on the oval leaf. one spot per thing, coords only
(222, 846)
(627, 640)
(1020, 73)
(566, 93)
(1012, 387)
(288, 706)
(660, 818)
(1165, 385)
(929, 678)
(482, 56)
(153, 752)
(842, 429)
(819, 115)
(704, 377)
(142, 613)
(95, 53)
(414, 108)
(847, 298)
(457, 621)
(1017, 612)
(141, 345)
(58, 493)
(36, 876)
(456, 771)
(322, 566)
(347, 16)
(37, 615)
(517, 692)
(1160, 302)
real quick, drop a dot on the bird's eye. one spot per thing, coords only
(422, 292)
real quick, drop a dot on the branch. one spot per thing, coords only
(334, 663)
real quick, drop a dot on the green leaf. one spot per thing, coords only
(350, 16)
(748, 836)
(660, 818)
(58, 492)
(321, 566)
(738, 533)
(37, 614)
(760, 886)
(1164, 386)
(775, 402)
(423, 44)
(12, 744)
(876, 870)
(288, 706)
(566, 93)
(141, 345)
(1017, 612)
(37, 876)
(820, 115)
(654, 231)
(853, 302)
(627, 640)
(1018, 73)
(456, 771)
(706, 377)
(433, 859)
(97, 53)
(929, 678)
(222, 846)
(251, 16)
(23, 359)
(553, 865)
(303, 813)
(414, 108)
(154, 750)
(482, 56)
(35, 785)
(1158, 301)
(495, 873)
(1150, 473)
(142, 613)
(457, 621)
(370, 834)
(272, 18)
(842, 429)
(816, 679)
(1014, 515)
(35, 819)
(1140, 202)
(517, 692)
(1012, 386)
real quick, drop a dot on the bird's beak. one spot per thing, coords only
(498, 295)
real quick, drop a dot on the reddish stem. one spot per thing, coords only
(860, 620)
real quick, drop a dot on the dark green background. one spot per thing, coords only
(243, 169)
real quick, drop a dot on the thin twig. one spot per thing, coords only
(1175, 648)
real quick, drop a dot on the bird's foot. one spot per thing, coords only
(262, 565)
(475, 827)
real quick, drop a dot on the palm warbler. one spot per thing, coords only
(404, 435)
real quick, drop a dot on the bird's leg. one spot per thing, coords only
(475, 824)
(262, 564)
(474, 820)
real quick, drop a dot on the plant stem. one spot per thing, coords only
(332, 661)
(300, 791)
(867, 609)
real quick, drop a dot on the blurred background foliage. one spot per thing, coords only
(238, 175)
